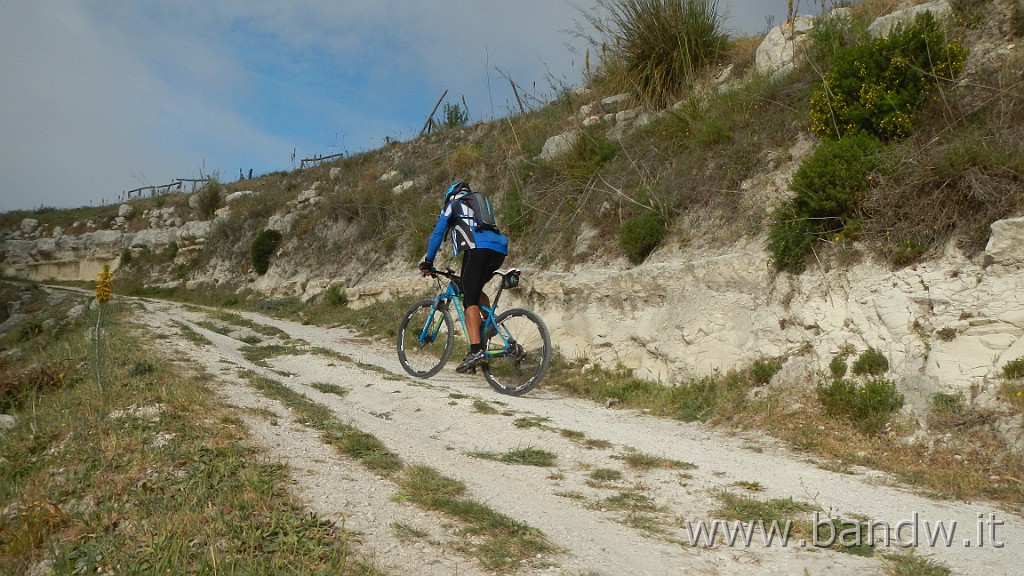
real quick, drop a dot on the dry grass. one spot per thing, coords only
(973, 461)
(964, 455)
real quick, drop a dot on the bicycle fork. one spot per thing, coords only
(433, 324)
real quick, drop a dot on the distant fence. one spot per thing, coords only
(177, 186)
(318, 159)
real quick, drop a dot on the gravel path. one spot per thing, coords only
(438, 423)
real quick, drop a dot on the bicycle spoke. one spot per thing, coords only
(520, 355)
(425, 339)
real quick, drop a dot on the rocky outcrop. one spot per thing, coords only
(885, 25)
(66, 257)
(777, 53)
(946, 326)
(33, 255)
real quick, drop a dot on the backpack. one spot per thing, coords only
(483, 211)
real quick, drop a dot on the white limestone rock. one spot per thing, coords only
(883, 26)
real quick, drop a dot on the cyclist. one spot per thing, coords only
(483, 253)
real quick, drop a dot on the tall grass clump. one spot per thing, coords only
(208, 199)
(656, 48)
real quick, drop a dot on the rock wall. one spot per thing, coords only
(63, 257)
(946, 326)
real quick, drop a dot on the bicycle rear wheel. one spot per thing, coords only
(425, 339)
(517, 367)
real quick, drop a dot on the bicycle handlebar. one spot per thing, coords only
(448, 273)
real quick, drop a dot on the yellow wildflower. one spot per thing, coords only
(104, 285)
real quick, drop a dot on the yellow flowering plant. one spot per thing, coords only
(104, 291)
(876, 85)
(104, 285)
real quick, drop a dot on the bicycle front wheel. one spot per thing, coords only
(425, 339)
(518, 357)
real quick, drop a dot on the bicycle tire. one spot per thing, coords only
(424, 359)
(519, 371)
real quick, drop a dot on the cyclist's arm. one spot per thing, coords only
(437, 236)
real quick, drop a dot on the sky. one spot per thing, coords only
(98, 97)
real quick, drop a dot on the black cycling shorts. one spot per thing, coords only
(478, 266)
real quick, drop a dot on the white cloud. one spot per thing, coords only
(105, 95)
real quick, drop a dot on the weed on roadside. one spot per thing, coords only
(642, 461)
(524, 456)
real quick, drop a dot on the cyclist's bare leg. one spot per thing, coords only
(473, 319)
(473, 323)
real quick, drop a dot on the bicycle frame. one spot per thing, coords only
(451, 294)
(516, 341)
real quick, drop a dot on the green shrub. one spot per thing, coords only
(970, 13)
(870, 362)
(904, 252)
(703, 398)
(263, 247)
(868, 405)
(877, 85)
(1013, 394)
(832, 182)
(208, 199)
(640, 235)
(630, 389)
(655, 48)
(1014, 368)
(455, 115)
(762, 370)
(948, 403)
(590, 151)
(830, 36)
(830, 186)
(790, 238)
(696, 400)
(335, 296)
(837, 367)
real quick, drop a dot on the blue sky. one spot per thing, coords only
(103, 96)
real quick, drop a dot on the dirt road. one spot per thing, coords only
(440, 423)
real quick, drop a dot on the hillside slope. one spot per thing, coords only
(939, 301)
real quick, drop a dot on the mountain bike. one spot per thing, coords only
(516, 341)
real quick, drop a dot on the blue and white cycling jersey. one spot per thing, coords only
(458, 219)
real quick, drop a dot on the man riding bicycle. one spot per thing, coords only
(483, 251)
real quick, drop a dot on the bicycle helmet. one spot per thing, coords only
(457, 189)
